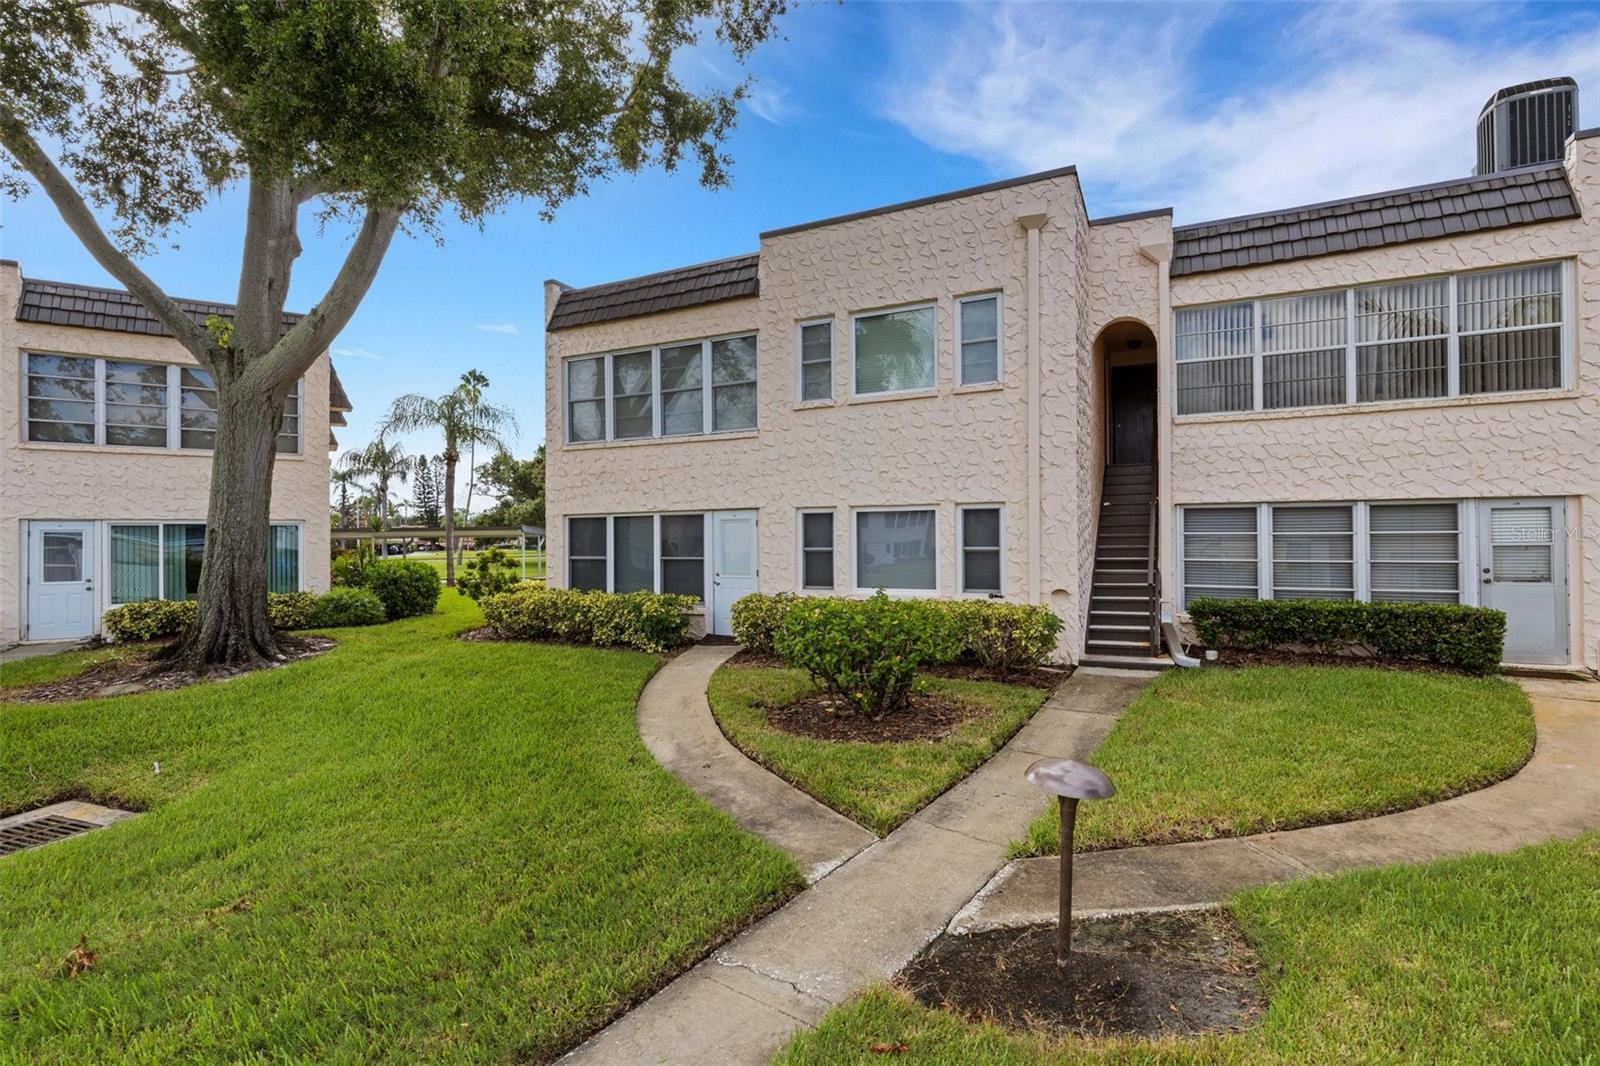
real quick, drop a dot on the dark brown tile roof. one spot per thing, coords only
(1443, 209)
(61, 303)
(691, 286)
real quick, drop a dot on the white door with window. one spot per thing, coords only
(733, 564)
(61, 596)
(1522, 559)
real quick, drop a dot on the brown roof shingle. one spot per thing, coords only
(1466, 205)
(691, 286)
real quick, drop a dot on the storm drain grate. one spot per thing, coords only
(39, 831)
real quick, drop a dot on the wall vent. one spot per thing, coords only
(1524, 125)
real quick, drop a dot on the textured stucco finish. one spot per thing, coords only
(955, 446)
(80, 482)
(1509, 445)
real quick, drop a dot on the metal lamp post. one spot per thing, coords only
(1069, 781)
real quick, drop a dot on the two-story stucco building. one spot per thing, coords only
(106, 425)
(991, 393)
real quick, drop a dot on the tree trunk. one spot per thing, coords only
(233, 627)
(450, 518)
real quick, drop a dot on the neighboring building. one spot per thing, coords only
(105, 461)
(988, 393)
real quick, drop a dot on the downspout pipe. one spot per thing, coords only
(1031, 224)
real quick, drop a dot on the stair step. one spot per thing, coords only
(1115, 617)
(1117, 647)
(1127, 662)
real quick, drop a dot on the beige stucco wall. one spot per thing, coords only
(1545, 444)
(84, 482)
(943, 448)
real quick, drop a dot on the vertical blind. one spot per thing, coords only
(283, 559)
(135, 563)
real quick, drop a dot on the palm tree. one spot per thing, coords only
(465, 421)
(383, 462)
(342, 481)
(473, 382)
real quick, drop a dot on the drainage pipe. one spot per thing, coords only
(1032, 224)
(1175, 646)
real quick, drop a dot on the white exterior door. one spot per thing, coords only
(1522, 564)
(733, 564)
(61, 596)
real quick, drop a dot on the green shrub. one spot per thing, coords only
(649, 621)
(867, 652)
(291, 610)
(349, 568)
(347, 607)
(756, 618)
(488, 573)
(1005, 637)
(406, 587)
(1467, 638)
(149, 619)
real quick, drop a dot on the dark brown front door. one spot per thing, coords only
(1133, 414)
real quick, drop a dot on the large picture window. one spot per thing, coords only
(895, 351)
(677, 390)
(1381, 551)
(125, 404)
(638, 553)
(162, 560)
(1492, 331)
(897, 550)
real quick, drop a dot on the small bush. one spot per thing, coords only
(487, 574)
(149, 619)
(347, 607)
(867, 652)
(1447, 634)
(291, 610)
(649, 621)
(349, 569)
(1005, 637)
(406, 587)
(756, 618)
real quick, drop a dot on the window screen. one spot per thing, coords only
(816, 361)
(1415, 552)
(1219, 553)
(895, 550)
(683, 554)
(980, 549)
(586, 553)
(816, 549)
(633, 559)
(895, 351)
(1313, 553)
(980, 340)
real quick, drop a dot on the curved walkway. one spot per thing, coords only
(868, 917)
(1556, 795)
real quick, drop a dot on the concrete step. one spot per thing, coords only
(1127, 662)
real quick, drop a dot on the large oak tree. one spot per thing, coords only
(380, 114)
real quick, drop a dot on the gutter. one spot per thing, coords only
(1032, 224)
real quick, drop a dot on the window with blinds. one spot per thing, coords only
(151, 561)
(1313, 553)
(1219, 548)
(1491, 331)
(1215, 358)
(1414, 552)
(1522, 542)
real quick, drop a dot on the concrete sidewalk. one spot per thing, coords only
(865, 920)
(1556, 795)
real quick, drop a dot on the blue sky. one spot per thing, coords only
(1212, 109)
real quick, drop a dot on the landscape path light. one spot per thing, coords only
(1069, 781)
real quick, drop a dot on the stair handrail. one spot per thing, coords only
(1152, 577)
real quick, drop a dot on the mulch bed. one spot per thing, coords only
(929, 717)
(1044, 677)
(1148, 975)
(149, 673)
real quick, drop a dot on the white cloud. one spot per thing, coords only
(359, 353)
(508, 328)
(1354, 99)
(771, 101)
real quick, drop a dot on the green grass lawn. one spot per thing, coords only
(878, 785)
(1226, 752)
(1486, 960)
(39, 669)
(408, 848)
(535, 560)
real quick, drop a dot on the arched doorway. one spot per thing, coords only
(1129, 352)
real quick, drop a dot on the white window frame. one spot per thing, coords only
(999, 337)
(1182, 534)
(880, 312)
(801, 550)
(103, 538)
(1566, 331)
(657, 415)
(1361, 532)
(655, 545)
(299, 395)
(800, 359)
(1273, 533)
(855, 552)
(999, 549)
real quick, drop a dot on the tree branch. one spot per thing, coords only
(271, 246)
(76, 214)
(298, 348)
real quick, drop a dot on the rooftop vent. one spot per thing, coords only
(1527, 124)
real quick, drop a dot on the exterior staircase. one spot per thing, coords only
(1124, 598)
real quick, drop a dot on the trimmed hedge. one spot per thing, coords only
(407, 587)
(648, 621)
(1000, 636)
(347, 607)
(157, 619)
(291, 610)
(1447, 634)
(867, 652)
